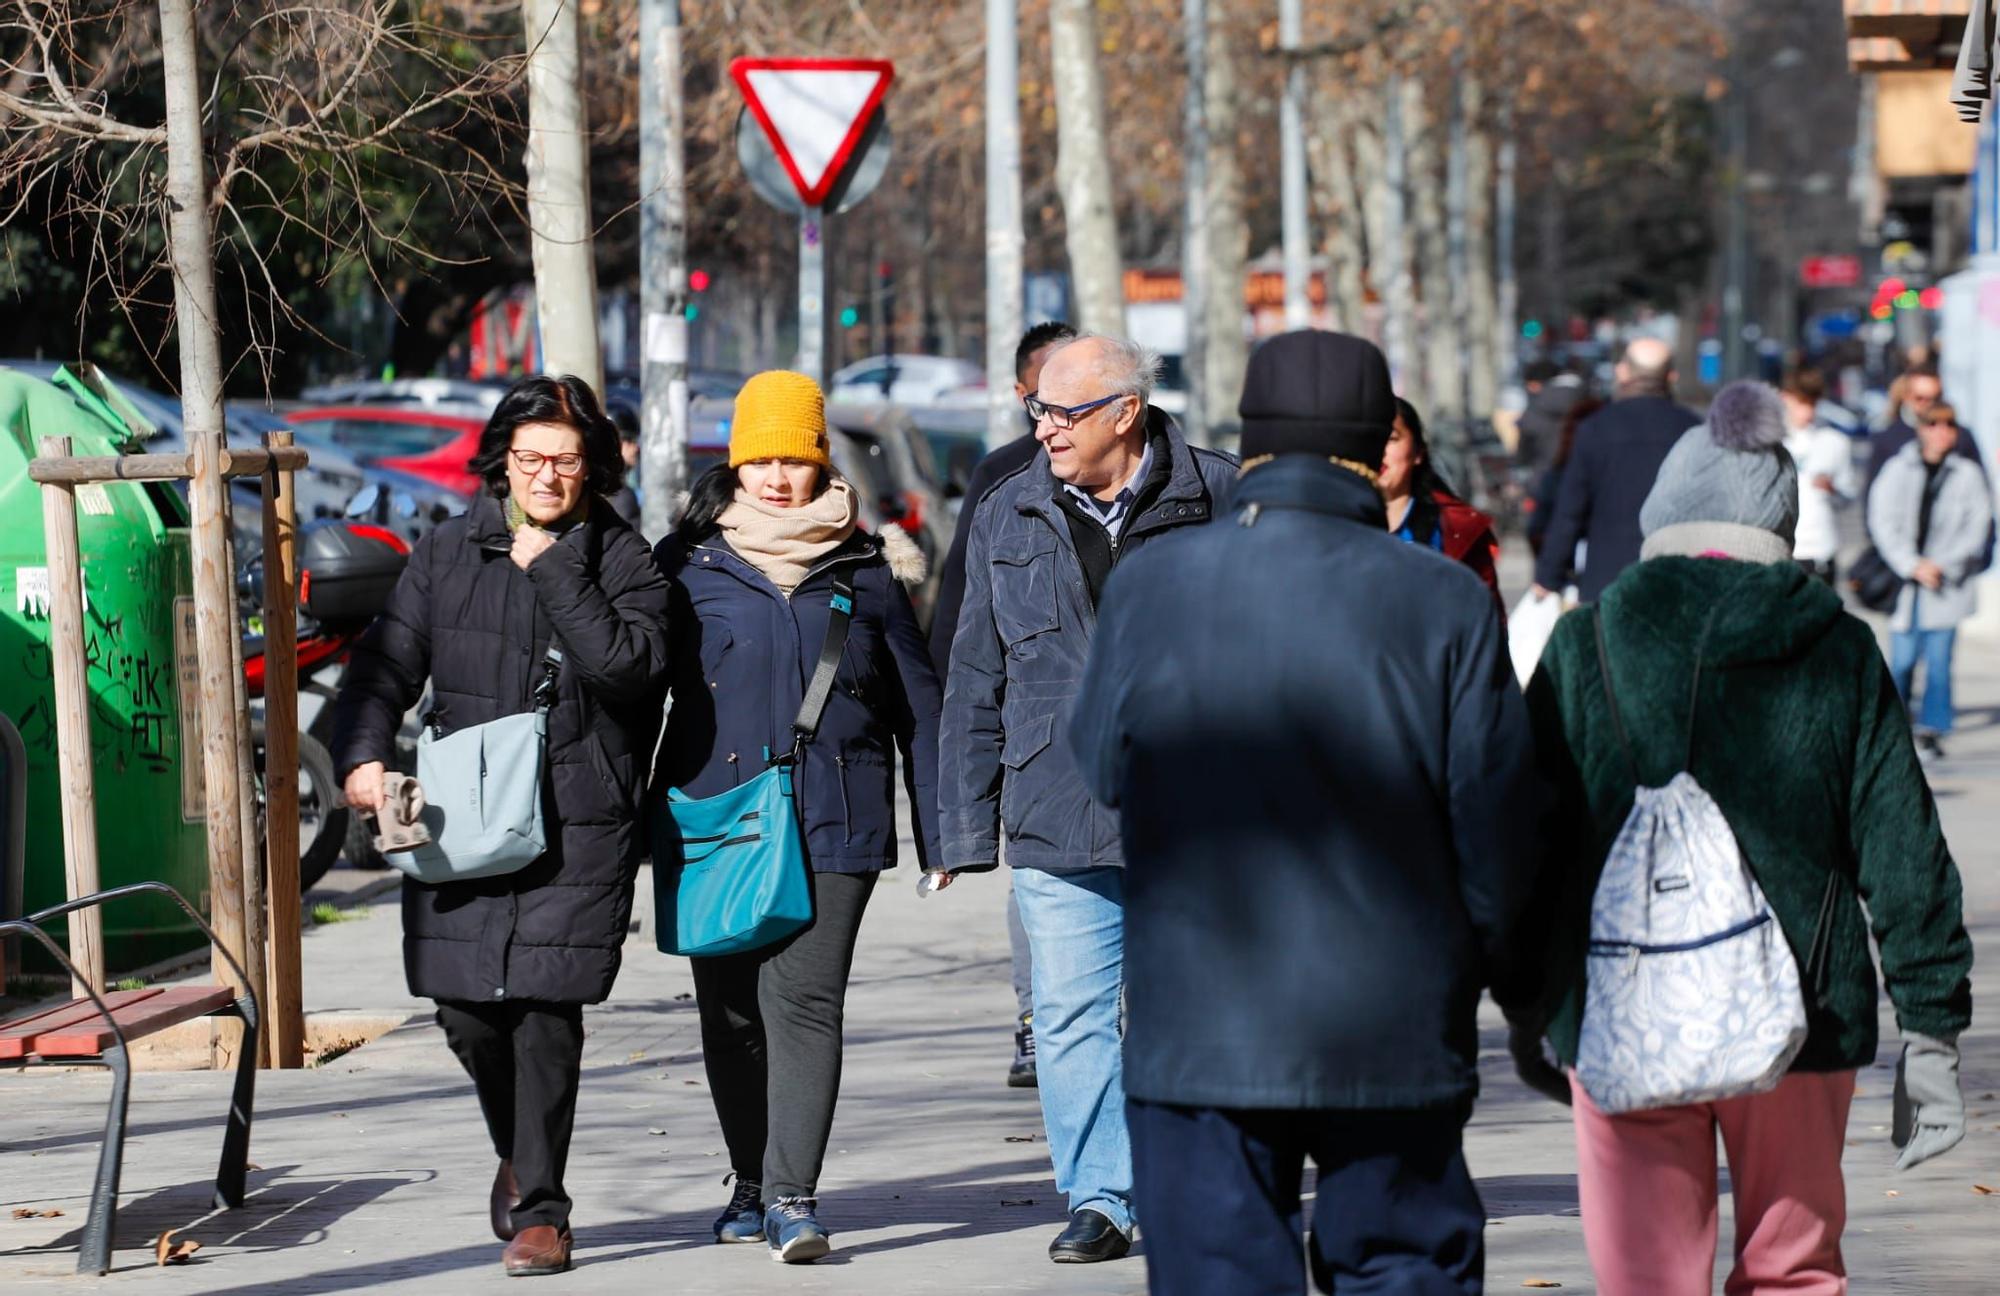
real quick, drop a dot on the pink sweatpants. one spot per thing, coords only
(1648, 1189)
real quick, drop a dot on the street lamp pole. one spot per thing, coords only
(1292, 164)
(663, 280)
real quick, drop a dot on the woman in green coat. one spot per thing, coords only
(1801, 740)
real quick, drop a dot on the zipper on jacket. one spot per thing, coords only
(846, 808)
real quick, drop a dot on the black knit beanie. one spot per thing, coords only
(1317, 393)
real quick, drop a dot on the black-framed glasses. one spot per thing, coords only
(1064, 417)
(531, 461)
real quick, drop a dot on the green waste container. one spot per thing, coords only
(139, 645)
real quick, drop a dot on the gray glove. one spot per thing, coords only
(1929, 1110)
(1524, 1043)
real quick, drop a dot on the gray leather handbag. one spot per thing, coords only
(482, 790)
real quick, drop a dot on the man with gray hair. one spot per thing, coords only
(1113, 474)
(1618, 452)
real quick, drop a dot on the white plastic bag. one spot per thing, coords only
(1529, 626)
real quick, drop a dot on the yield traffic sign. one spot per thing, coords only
(814, 112)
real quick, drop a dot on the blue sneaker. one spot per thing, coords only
(743, 1219)
(794, 1231)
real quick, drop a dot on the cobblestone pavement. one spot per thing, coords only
(375, 1165)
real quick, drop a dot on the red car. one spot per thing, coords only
(426, 443)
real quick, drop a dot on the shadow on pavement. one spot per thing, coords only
(279, 1213)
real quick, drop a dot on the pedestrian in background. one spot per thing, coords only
(754, 564)
(1114, 474)
(1552, 393)
(1825, 462)
(1424, 510)
(625, 499)
(1029, 356)
(1323, 871)
(1729, 662)
(1548, 486)
(538, 559)
(1618, 450)
(1929, 515)
(1921, 391)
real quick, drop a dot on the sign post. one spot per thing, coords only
(819, 121)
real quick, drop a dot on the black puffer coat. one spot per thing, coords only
(474, 625)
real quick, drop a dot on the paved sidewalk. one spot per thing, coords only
(375, 1166)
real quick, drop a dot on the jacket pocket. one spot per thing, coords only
(1020, 789)
(1024, 589)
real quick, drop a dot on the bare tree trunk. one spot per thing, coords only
(1197, 245)
(1083, 168)
(1389, 237)
(1228, 232)
(1005, 241)
(1482, 310)
(1439, 353)
(559, 193)
(192, 253)
(1507, 325)
(1338, 198)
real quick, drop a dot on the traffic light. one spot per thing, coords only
(1531, 329)
(849, 317)
(697, 281)
(693, 312)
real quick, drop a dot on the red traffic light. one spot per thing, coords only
(698, 280)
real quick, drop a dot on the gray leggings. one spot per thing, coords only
(771, 1035)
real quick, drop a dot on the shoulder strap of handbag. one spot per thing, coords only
(545, 691)
(840, 611)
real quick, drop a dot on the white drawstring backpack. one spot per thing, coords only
(1692, 991)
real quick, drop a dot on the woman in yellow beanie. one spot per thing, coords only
(768, 546)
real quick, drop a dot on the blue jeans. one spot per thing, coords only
(1934, 647)
(1076, 930)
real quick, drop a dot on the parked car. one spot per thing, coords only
(459, 395)
(957, 437)
(895, 468)
(426, 442)
(904, 380)
(404, 503)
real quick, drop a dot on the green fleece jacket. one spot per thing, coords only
(1806, 748)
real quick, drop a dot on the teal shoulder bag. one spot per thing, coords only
(730, 870)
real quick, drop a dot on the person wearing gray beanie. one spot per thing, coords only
(1728, 486)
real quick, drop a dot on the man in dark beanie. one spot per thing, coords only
(1331, 830)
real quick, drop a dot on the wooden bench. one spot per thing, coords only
(96, 1030)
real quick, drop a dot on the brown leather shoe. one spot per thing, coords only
(506, 1196)
(536, 1250)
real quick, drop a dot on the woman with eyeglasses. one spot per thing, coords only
(769, 545)
(540, 560)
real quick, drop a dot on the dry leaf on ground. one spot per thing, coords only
(1984, 1191)
(1541, 1282)
(29, 1212)
(166, 1251)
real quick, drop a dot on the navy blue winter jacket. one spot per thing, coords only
(1331, 811)
(1018, 657)
(1611, 468)
(743, 654)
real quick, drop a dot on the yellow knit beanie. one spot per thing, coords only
(779, 415)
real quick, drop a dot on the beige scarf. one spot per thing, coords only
(784, 543)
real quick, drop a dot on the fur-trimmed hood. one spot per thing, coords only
(906, 561)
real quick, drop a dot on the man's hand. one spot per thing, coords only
(364, 787)
(530, 543)
(1539, 592)
(1823, 483)
(1928, 574)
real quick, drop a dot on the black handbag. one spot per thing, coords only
(1874, 582)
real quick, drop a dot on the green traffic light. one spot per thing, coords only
(850, 317)
(1531, 329)
(692, 312)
